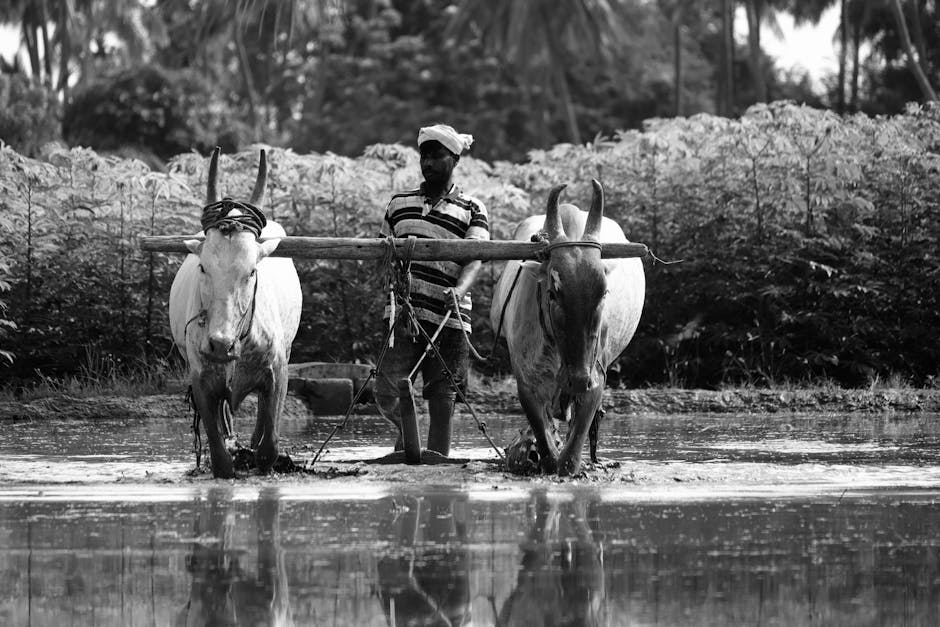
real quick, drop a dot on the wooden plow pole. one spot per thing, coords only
(424, 249)
(415, 250)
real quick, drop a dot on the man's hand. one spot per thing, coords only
(453, 296)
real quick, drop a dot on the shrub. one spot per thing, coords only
(30, 115)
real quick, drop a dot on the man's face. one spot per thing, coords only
(437, 162)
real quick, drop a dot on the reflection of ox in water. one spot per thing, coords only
(561, 578)
(223, 590)
(425, 579)
(234, 312)
(566, 319)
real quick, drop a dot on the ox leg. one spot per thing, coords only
(594, 431)
(210, 409)
(543, 428)
(271, 395)
(585, 406)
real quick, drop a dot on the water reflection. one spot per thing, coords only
(424, 579)
(225, 588)
(561, 575)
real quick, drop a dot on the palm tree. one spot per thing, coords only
(79, 28)
(540, 38)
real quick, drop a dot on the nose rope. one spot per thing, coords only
(249, 313)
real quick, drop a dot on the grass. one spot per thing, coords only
(101, 374)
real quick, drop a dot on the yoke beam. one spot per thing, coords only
(424, 249)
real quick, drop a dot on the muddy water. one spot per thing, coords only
(709, 520)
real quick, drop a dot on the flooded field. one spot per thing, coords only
(691, 520)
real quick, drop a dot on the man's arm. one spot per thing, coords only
(466, 279)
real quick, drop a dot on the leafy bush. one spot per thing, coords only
(30, 115)
(151, 109)
(808, 244)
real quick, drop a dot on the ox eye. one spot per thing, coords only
(201, 269)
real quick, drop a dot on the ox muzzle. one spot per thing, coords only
(222, 348)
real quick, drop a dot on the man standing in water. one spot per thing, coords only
(438, 209)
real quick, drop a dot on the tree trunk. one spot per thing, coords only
(753, 42)
(912, 63)
(856, 45)
(244, 66)
(843, 55)
(571, 119)
(65, 46)
(677, 58)
(561, 80)
(917, 32)
(726, 71)
(32, 49)
(46, 48)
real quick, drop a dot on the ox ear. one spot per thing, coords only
(194, 245)
(268, 246)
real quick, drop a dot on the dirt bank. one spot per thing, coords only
(660, 401)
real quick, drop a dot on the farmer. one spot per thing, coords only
(438, 209)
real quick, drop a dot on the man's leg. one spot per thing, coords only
(440, 391)
(396, 364)
(441, 411)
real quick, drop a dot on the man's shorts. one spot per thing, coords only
(399, 360)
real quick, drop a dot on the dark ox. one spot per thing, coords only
(566, 320)
(234, 312)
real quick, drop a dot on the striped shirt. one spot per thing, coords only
(455, 216)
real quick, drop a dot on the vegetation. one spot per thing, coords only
(315, 75)
(806, 239)
(807, 244)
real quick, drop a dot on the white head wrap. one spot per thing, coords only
(451, 139)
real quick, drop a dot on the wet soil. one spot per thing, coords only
(475, 471)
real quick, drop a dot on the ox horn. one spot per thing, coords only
(212, 193)
(552, 228)
(592, 227)
(257, 195)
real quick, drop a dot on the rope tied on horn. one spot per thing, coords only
(218, 215)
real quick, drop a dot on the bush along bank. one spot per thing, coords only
(806, 245)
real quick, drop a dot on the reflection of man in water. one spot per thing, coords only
(428, 583)
(223, 592)
(561, 578)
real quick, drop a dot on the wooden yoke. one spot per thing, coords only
(424, 249)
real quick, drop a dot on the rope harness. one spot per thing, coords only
(217, 215)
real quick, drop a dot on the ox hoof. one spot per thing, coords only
(524, 457)
(569, 467)
(265, 460)
(223, 470)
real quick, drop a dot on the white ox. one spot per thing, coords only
(566, 320)
(234, 312)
